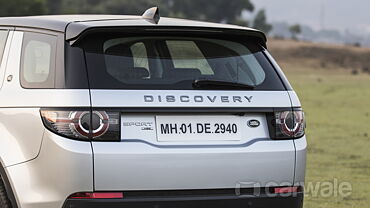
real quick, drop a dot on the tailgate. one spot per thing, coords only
(194, 145)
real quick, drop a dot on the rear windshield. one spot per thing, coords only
(175, 62)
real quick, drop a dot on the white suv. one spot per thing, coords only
(143, 111)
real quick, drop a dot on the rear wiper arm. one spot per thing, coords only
(219, 84)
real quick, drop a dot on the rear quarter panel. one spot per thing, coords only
(21, 127)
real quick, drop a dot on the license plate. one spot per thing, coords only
(198, 128)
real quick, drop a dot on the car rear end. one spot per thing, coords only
(185, 118)
(178, 117)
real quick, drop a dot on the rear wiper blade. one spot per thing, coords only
(220, 84)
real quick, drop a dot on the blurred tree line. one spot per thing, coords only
(226, 11)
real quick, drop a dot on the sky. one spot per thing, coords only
(353, 15)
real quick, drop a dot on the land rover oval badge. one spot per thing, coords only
(253, 123)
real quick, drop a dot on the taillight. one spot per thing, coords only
(97, 195)
(289, 124)
(83, 125)
(287, 190)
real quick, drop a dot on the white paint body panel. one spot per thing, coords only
(21, 134)
(63, 167)
(139, 166)
(295, 100)
(301, 154)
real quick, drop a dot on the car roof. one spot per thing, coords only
(57, 22)
(74, 25)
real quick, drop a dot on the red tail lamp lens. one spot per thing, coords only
(81, 196)
(285, 190)
(102, 195)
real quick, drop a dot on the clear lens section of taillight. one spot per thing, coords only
(113, 128)
(83, 125)
(289, 124)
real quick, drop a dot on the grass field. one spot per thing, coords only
(337, 106)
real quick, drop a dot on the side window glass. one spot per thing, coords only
(38, 60)
(3, 38)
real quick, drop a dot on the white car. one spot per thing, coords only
(142, 111)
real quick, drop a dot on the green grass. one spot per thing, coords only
(337, 107)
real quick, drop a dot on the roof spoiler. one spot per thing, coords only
(152, 15)
(76, 32)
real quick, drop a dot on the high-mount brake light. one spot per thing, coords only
(83, 125)
(289, 124)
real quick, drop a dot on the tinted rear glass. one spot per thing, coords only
(175, 62)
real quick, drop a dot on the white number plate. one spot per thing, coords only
(198, 128)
